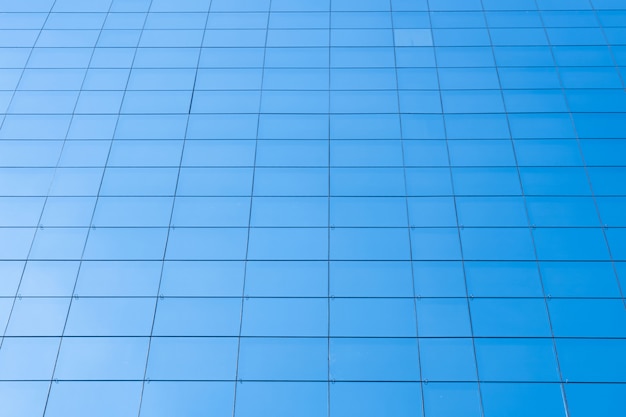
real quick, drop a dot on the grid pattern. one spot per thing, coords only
(313, 208)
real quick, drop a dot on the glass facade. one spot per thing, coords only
(313, 208)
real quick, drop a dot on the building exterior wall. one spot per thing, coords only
(312, 208)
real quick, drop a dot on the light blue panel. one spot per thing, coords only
(174, 358)
(372, 317)
(28, 358)
(192, 398)
(500, 317)
(93, 397)
(202, 278)
(523, 360)
(451, 399)
(370, 279)
(369, 399)
(522, 399)
(447, 359)
(374, 359)
(110, 317)
(102, 358)
(23, 399)
(284, 317)
(283, 359)
(443, 317)
(369, 244)
(178, 317)
(286, 279)
(308, 399)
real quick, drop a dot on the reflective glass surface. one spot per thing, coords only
(317, 208)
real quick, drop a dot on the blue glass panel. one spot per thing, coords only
(522, 399)
(28, 358)
(443, 317)
(48, 278)
(609, 398)
(23, 399)
(592, 360)
(570, 244)
(306, 399)
(173, 358)
(452, 399)
(588, 318)
(501, 317)
(373, 317)
(366, 359)
(97, 398)
(177, 317)
(439, 279)
(491, 211)
(370, 399)
(118, 278)
(370, 279)
(102, 358)
(448, 359)
(202, 279)
(368, 244)
(37, 316)
(579, 279)
(287, 278)
(194, 399)
(283, 317)
(503, 279)
(368, 212)
(531, 360)
(283, 359)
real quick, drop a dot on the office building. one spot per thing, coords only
(312, 208)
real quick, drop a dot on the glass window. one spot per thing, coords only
(447, 359)
(520, 360)
(371, 279)
(197, 317)
(23, 399)
(569, 244)
(110, 317)
(287, 244)
(118, 278)
(501, 317)
(368, 212)
(579, 279)
(102, 358)
(96, 398)
(294, 317)
(443, 317)
(450, 398)
(439, 279)
(503, 279)
(288, 211)
(491, 211)
(287, 279)
(588, 318)
(592, 360)
(49, 278)
(373, 359)
(283, 359)
(185, 358)
(370, 399)
(372, 317)
(191, 398)
(523, 399)
(369, 244)
(306, 399)
(37, 316)
(202, 278)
